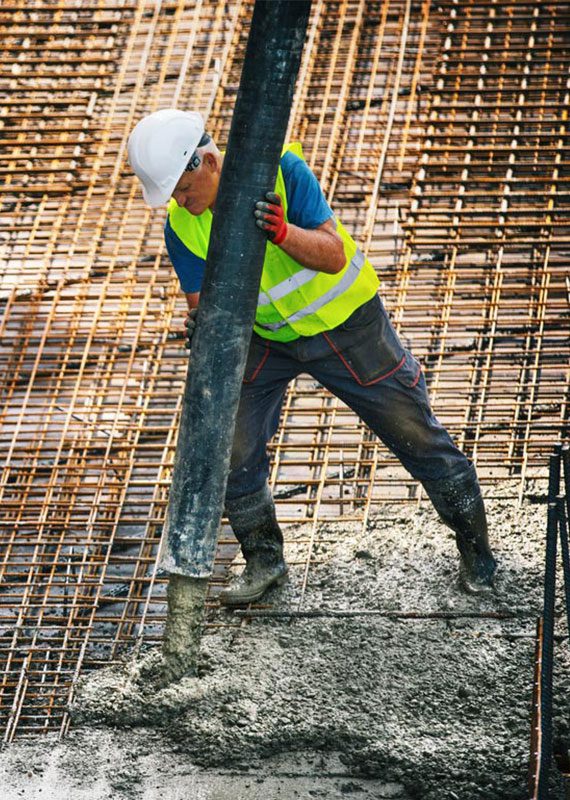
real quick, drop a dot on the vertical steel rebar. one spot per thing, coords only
(536, 738)
(548, 616)
(564, 518)
(565, 550)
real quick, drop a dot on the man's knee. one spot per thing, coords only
(427, 450)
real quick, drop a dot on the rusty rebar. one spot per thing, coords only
(464, 211)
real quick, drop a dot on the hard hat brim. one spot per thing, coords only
(155, 197)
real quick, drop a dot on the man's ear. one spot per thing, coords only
(211, 161)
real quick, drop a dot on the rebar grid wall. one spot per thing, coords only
(490, 208)
(439, 134)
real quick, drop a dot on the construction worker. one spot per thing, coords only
(318, 312)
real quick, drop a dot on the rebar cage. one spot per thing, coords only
(439, 132)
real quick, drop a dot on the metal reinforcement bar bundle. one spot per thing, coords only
(556, 530)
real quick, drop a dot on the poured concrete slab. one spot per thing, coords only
(140, 765)
(430, 705)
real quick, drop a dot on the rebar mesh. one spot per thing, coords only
(439, 134)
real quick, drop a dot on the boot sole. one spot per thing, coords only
(244, 600)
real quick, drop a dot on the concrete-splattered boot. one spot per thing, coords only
(459, 503)
(255, 526)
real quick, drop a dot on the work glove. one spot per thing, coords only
(270, 217)
(190, 325)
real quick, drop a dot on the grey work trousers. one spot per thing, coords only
(363, 363)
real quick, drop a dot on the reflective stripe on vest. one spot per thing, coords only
(351, 274)
(286, 287)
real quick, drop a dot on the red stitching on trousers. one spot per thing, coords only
(416, 379)
(353, 373)
(259, 366)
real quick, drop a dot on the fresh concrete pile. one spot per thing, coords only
(426, 708)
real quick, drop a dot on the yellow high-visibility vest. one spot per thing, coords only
(293, 300)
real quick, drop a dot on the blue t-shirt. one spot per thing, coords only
(306, 208)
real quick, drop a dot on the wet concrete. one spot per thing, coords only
(431, 708)
(139, 765)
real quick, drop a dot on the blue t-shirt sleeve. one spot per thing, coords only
(306, 204)
(188, 266)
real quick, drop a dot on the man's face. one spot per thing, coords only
(196, 191)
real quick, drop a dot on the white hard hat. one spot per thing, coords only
(160, 147)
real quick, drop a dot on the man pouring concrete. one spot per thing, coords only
(319, 313)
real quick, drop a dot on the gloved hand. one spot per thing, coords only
(270, 218)
(190, 325)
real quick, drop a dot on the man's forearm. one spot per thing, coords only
(192, 299)
(320, 249)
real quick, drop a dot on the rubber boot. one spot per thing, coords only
(255, 526)
(459, 503)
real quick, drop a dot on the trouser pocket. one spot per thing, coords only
(409, 372)
(367, 344)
